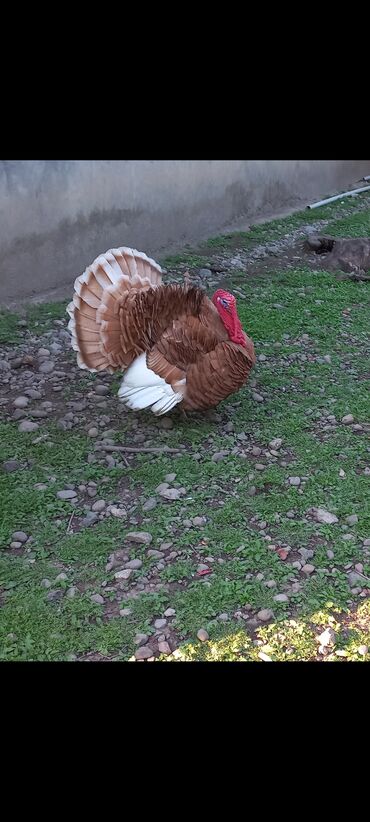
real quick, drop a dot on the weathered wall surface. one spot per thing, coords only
(56, 216)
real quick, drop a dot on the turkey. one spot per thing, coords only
(174, 345)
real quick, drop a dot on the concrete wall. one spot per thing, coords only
(56, 216)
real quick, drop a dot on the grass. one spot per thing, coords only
(300, 390)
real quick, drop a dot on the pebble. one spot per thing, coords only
(92, 432)
(265, 614)
(144, 652)
(21, 402)
(153, 553)
(140, 639)
(45, 583)
(20, 536)
(26, 427)
(362, 650)
(202, 635)
(281, 598)
(330, 554)
(354, 579)
(352, 519)
(160, 623)
(9, 466)
(124, 612)
(135, 564)
(16, 545)
(124, 574)
(294, 481)
(90, 518)
(46, 367)
(164, 648)
(99, 505)
(141, 537)
(170, 612)
(66, 494)
(219, 455)
(170, 477)
(61, 577)
(257, 397)
(171, 494)
(150, 504)
(97, 598)
(252, 491)
(101, 390)
(271, 583)
(359, 567)
(327, 637)
(308, 569)
(276, 443)
(348, 419)
(72, 591)
(118, 512)
(199, 521)
(323, 516)
(223, 617)
(259, 466)
(256, 451)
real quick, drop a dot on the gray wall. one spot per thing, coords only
(56, 216)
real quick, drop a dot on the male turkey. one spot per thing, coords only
(173, 343)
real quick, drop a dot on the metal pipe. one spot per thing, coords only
(340, 196)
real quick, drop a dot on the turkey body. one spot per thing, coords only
(174, 345)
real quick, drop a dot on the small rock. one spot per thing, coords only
(150, 504)
(359, 567)
(330, 554)
(252, 491)
(72, 591)
(92, 432)
(27, 427)
(9, 466)
(170, 612)
(362, 650)
(257, 397)
(308, 569)
(276, 443)
(45, 583)
(164, 648)
(118, 512)
(141, 639)
(16, 545)
(265, 614)
(160, 623)
(99, 505)
(97, 598)
(199, 520)
(21, 402)
(157, 554)
(327, 637)
(171, 494)
(19, 536)
(352, 519)
(124, 574)
(294, 481)
(281, 598)
(223, 617)
(46, 367)
(135, 564)
(202, 635)
(271, 583)
(90, 519)
(323, 516)
(348, 419)
(101, 390)
(219, 455)
(141, 537)
(66, 494)
(144, 652)
(61, 577)
(354, 579)
(259, 466)
(124, 612)
(256, 451)
(170, 477)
